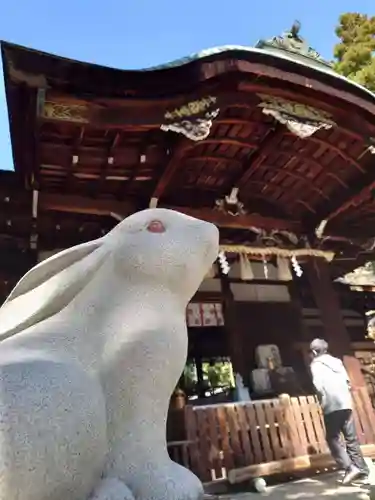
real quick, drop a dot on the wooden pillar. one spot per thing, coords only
(336, 334)
(233, 334)
(200, 384)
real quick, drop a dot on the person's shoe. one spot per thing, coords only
(363, 478)
(351, 475)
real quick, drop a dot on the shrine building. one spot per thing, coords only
(269, 144)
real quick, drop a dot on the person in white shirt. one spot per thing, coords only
(332, 385)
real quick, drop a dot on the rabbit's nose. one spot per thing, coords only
(156, 226)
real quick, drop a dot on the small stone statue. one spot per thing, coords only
(93, 342)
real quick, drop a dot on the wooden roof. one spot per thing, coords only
(97, 142)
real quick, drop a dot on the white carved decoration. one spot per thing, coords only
(301, 119)
(193, 119)
(93, 343)
(196, 129)
(230, 204)
(299, 129)
(363, 276)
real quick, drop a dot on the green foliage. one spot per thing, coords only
(190, 376)
(218, 374)
(355, 53)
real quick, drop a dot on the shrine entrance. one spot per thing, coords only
(208, 375)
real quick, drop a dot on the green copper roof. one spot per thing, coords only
(289, 46)
(292, 44)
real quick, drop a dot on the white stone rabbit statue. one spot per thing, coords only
(93, 341)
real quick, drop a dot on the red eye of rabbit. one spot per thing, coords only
(156, 226)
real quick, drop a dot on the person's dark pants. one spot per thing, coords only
(346, 452)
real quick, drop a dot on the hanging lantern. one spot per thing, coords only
(223, 263)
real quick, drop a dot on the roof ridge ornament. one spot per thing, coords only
(292, 43)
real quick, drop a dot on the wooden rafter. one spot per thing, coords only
(214, 159)
(125, 102)
(260, 155)
(353, 200)
(362, 186)
(334, 148)
(86, 205)
(288, 173)
(235, 121)
(169, 171)
(225, 141)
(303, 158)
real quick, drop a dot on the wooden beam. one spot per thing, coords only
(343, 200)
(288, 465)
(182, 147)
(170, 169)
(260, 155)
(353, 201)
(153, 109)
(241, 221)
(85, 205)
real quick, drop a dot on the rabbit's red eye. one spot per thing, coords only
(156, 226)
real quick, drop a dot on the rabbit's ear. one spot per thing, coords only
(49, 287)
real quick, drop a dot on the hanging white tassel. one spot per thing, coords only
(265, 268)
(223, 263)
(283, 269)
(246, 271)
(296, 267)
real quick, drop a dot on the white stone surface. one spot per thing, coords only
(93, 342)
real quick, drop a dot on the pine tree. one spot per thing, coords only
(355, 54)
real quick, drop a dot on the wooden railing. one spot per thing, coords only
(242, 440)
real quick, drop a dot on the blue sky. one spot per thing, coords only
(141, 33)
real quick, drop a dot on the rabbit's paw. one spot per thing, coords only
(112, 489)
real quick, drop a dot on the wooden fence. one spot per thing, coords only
(260, 438)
